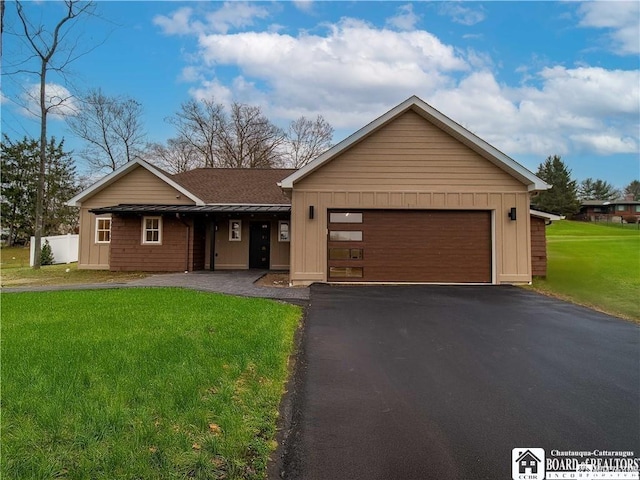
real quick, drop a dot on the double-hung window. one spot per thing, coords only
(152, 230)
(103, 229)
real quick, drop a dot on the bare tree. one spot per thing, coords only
(242, 138)
(306, 139)
(1, 24)
(50, 55)
(111, 127)
(199, 124)
(176, 156)
(249, 139)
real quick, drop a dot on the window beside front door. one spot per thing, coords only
(235, 230)
(283, 231)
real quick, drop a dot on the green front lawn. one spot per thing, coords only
(15, 272)
(595, 265)
(141, 384)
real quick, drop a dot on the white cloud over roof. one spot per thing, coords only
(351, 71)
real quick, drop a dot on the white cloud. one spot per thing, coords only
(462, 14)
(232, 15)
(581, 110)
(405, 19)
(178, 23)
(58, 99)
(353, 71)
(353, 62)
(235, 15)
(622, 18)
(605, 143)
(304, 5)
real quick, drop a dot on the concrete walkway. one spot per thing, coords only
(240, 282)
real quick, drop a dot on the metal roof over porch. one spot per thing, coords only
(193, 209)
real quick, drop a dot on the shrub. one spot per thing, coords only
(46, 254)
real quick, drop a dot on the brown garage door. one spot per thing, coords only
(409, 246)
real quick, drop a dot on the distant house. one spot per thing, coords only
(608, 210)
(411, 197)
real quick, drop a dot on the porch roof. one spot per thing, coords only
(212, 208)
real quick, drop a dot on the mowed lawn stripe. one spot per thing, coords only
(141, 383)
(594, 265)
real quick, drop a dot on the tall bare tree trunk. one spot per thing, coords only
(41, 172)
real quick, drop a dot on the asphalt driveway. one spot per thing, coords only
(442, 382)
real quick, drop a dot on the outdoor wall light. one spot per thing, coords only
(512, 213)
(311, 209)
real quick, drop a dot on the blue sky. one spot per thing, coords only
(532, 78)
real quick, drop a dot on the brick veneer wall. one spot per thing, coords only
(127, 253)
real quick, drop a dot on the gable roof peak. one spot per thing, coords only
(441, 121)
(121, 171)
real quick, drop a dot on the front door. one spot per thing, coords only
(259, 244)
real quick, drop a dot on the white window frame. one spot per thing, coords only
(145, 230)
(98, 230)
(232, 230)
(287, 237)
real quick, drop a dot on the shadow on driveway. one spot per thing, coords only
(442, 382)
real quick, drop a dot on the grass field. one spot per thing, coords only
(141, 384)
(596, 265)
(15, 272)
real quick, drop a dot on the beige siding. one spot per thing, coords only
(231, 255)
(410, 164)
(409, 154)
(279, 250)
(138, 186)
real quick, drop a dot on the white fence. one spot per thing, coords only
(63, 247)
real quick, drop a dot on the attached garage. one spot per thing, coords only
(439, 246)
(411, 197)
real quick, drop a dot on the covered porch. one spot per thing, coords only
(173, 238)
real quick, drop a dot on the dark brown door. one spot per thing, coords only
(259, 244)
(411, 246)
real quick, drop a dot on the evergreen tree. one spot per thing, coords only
(562, 197)
(20, 166)
(591, 189)
(46, 255)
(633, 189)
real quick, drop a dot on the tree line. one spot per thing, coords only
(208, 134)
(20, 168)
(566, 194)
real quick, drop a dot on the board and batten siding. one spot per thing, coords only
(410, 164)
(138, 186)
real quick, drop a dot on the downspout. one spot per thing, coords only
(186, 260)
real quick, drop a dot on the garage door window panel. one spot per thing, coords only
(345, 217)
(345, 254)
(346, 272)
(345, 235)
